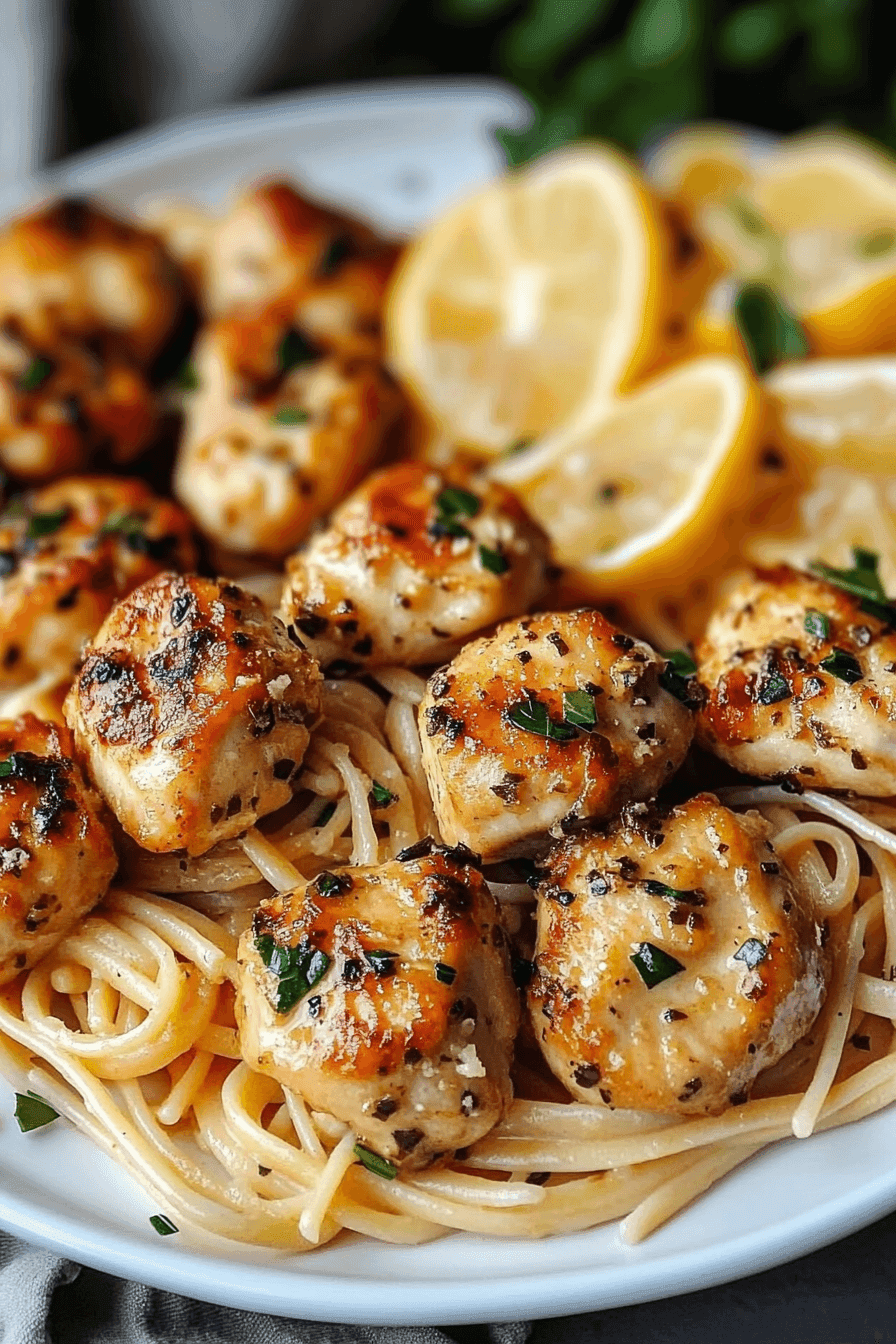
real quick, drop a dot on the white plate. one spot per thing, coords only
(400, 153)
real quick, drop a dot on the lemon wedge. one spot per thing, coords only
(636, 498)
(532, 302)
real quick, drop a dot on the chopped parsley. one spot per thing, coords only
(298, 969)
(295, 350)
(6, 768)
(452, 504)
(380, 796)
(654, 965)
(772, 686)
(518, 446)
(122, 523)
(45, 524)
(325, 814)
(861, 580)
(751, 953)
(532, 717)
(815, 623)
(290, 415)
(446, 974)
(380, 1166)
(842, 665)
(493, 561)
(332, 884)
(32, 1112)
(382, 962)
(187, 379)
(579, 709)
(770, 331)
(34, 377)
(676, 677)
(685, 896)
(163, 1225)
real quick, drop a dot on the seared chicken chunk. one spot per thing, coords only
(192, 710)
(276, 433)
(88, 305)
(800, 678)
(70, 271)
(676, 958)
(553, 719)
(329, 270)
(59, 413)
(56, 853)
(411, 565)
(383, 996)
(67, 553)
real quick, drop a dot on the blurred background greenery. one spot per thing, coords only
(626, 69)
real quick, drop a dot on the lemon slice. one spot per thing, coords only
(532, 302)
(704, 162)
(637, 497)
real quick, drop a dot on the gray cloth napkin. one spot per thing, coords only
(842, 1294)
(45, 1299)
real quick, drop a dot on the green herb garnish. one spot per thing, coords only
(654, 965)
(769, 330)
(532, 717)
(493, 561)
(295, 350)
(518, 446)
(676, 677)
(861, 580)
(298, 969)
(290, 415)
(452, 504)
(187, 379)
(122, 522)
(34, 377)
(842, 665)
(446, 974)
(6, 768)
(579, 709)
(326, 814)
(32, 1112)
(815, 623)
(380, 796)
(45, 524)
(772, 686)
(380, 1166)
(684, 895)
(751, 953)
(383, 962)
(163, 1225)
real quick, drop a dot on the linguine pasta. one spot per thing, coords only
(128, 1028)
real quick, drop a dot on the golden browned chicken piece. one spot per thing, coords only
(192, 710)
(67, 553)
(411, 565)
(72, 272)
(276, 432)
(88, 304)
(330, 271)
(56, 853)
(383, 996)
(59, 412)
(676, 958)
(800, 676)
(552, 720)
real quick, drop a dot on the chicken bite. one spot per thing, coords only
(800, 679)
(192, 710)
(383, 996)
(411, 565)
(67, 553)
(56, 853)
(89, 306)
(276, 433)
(331, 271)
(552, 720)
(676, 958)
